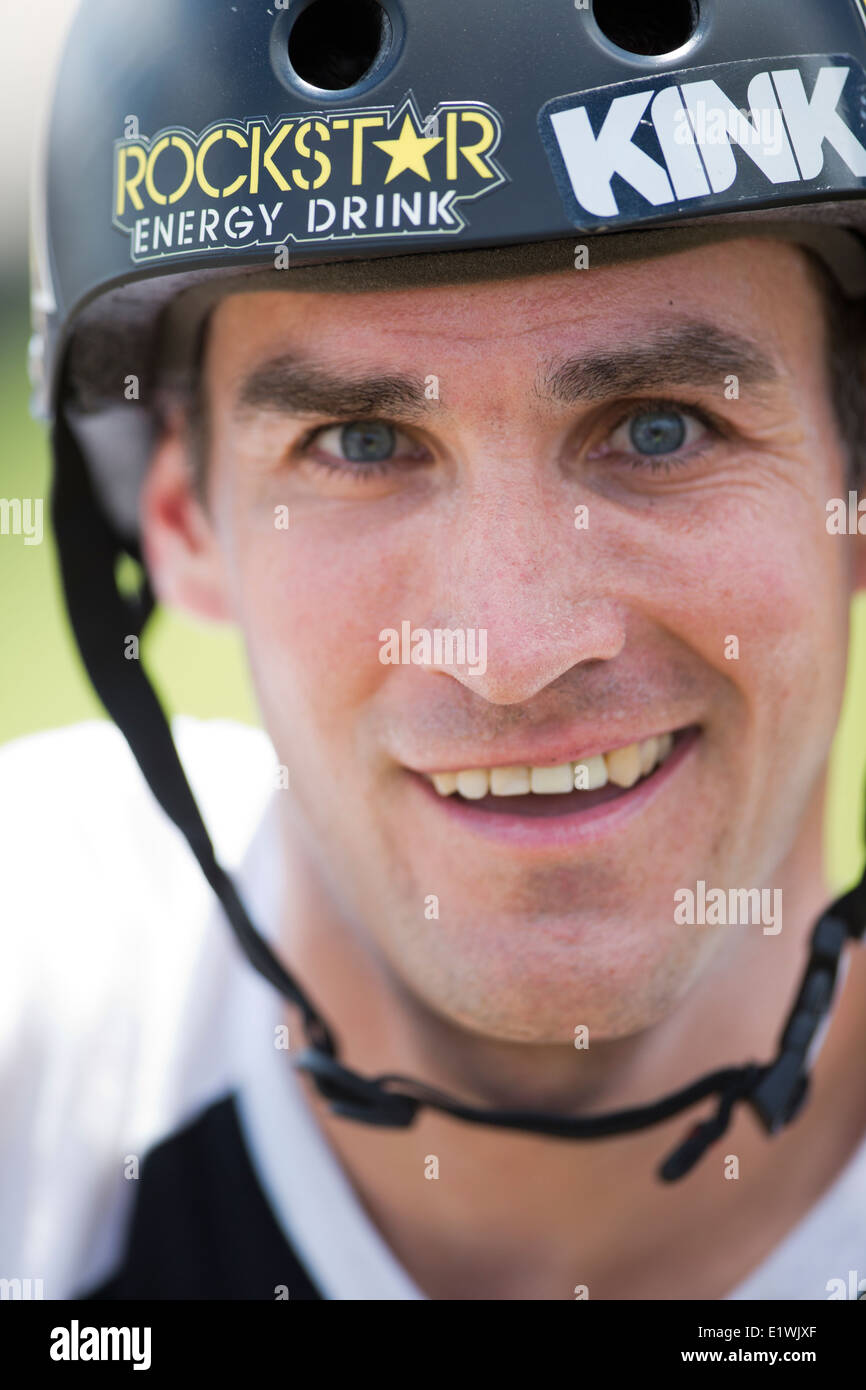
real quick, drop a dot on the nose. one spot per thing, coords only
(536, 591)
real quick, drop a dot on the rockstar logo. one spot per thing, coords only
(409, 151)
(326, 155)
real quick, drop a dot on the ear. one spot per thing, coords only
(183, 559)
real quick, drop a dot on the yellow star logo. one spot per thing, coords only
(410, 151)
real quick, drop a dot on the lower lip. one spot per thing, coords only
(572, 828)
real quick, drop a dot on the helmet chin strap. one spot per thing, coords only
(776, 1091)
(102, 620)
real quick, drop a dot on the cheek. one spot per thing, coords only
(311, 601)
(759, 590)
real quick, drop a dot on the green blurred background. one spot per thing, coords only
(199, 670)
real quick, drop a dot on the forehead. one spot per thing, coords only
(759, 288)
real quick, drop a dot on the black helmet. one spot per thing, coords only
(196, 149)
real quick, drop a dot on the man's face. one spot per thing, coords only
(683, 403)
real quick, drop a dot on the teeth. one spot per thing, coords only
(590, 774)
(649, 750)
(552, 779)
(510, 781)
(621, 766)
(473, 785)
(445, 782)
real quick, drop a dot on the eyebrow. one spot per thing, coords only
(693, 354)
(291, 386)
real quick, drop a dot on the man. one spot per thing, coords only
(548, 628)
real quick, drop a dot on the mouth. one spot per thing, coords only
(562, 804)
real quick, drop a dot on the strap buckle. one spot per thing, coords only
(356, 1097)
(784, 1083)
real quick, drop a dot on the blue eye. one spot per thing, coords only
(657, 432)
(364, 449)
(367, 441)
(659, 436)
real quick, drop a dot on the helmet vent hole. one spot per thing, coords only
(335, 43)
(650, 29)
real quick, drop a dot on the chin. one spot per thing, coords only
(541, 991)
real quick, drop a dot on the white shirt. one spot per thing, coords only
(117, 973)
